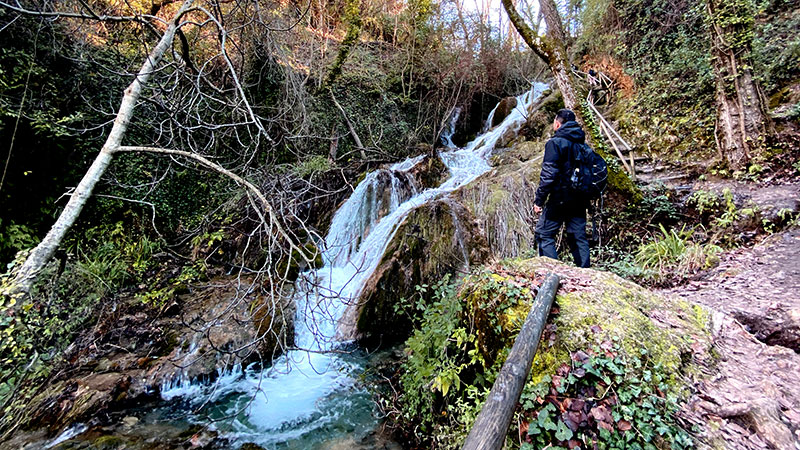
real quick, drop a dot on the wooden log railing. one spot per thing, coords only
(491, 425)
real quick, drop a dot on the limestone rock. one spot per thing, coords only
(502, 199)
(434, 240)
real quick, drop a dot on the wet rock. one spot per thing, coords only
(538, 125)
(436, 239)
(225, 325)
(219, 326)
(430, 172)
(251, 446)
(504, 108)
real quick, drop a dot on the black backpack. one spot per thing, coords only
(588, 175)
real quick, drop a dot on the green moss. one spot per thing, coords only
(431, 242)
(109, 442)
(501, 198)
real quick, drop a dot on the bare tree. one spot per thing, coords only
(552, 49)
(199, 114)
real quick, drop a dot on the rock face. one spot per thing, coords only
(434, 240)
(196, 336)
(504, 108)
(502, 199)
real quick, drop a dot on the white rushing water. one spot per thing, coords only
(446, 138)
(314, 388)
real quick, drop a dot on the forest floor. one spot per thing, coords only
(752, 399)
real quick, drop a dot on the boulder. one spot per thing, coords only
(595, 306)
(503, 109)
(430, 172)
(436, 239)
(658, 344)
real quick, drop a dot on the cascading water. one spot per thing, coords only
(309, 396)
(446, 138)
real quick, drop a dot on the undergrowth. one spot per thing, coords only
(35, 329)
(604, 399)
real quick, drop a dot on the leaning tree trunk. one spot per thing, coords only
(742, 120)
(40, 255)
(552, 50)
(559, 62)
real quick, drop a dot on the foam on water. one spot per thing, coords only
(309, 389)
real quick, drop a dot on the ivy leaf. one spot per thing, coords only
(563, 433)
(545, 421)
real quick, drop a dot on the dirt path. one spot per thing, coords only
(750, 398)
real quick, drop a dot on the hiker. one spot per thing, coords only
(557, 203)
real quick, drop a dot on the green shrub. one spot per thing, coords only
(673, 255)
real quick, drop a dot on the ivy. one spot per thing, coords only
(604, 399)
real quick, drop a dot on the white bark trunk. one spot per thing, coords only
(40, 255)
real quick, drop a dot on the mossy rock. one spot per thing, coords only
(504, 108)
(595, 308)
(293, 264)
(435, 239)
(502, 199)
(430, 172)
(274, 322)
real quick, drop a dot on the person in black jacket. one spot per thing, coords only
(554, 200)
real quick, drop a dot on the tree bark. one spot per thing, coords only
(742, 119)
(559, 63)
(552, 49)
(42, 253)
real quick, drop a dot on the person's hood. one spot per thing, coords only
(571, 130)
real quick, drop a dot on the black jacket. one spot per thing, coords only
(553, 183)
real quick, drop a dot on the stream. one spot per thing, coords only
(312, 398)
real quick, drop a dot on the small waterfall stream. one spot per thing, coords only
(311, 396)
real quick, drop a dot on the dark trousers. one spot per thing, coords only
(550, 222)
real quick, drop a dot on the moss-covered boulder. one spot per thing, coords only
(430, 172)
(595, 306)
(614, 361)
(436, 239)
(502, 199)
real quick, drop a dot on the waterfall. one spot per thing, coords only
(446, 138)
(314, 388)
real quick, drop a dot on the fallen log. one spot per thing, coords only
(491, 425)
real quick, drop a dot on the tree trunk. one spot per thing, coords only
(352, 10)
(42, 253)
(559, 62)
(552, 50)
(742, 120)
